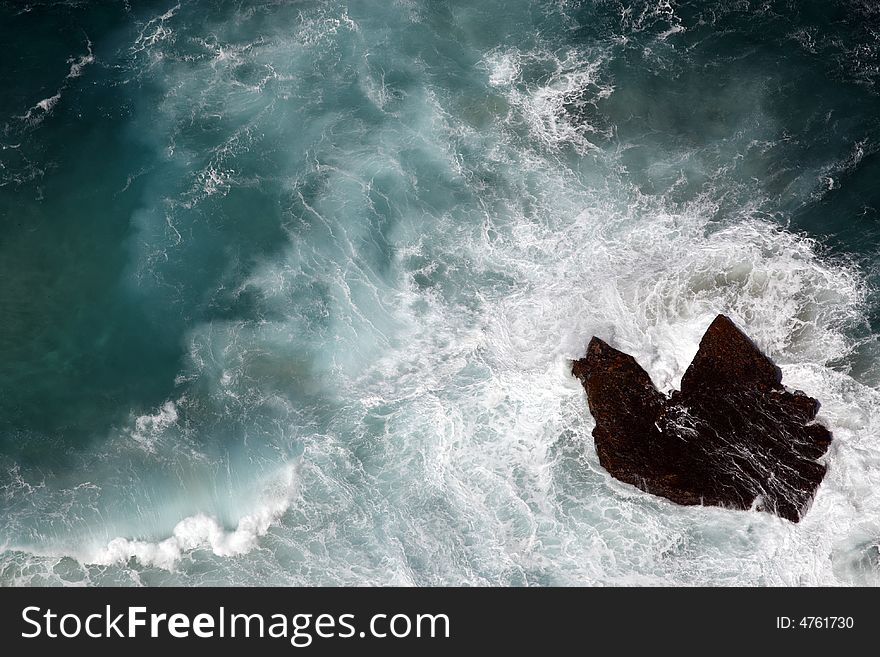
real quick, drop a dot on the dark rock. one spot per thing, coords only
(733, 436)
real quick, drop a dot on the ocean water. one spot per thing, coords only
(289, 290)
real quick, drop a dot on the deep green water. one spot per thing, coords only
(288, 289)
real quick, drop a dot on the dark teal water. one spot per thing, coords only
(288, 289)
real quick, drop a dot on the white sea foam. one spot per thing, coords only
(155, 31)
(203, 532)
(79, 63)
(554, 107)
(475, 403)
(36, 114)
(449, 443)
(504, 68)
(325, 27)
(148, 428)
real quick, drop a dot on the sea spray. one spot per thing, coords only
(311, 277)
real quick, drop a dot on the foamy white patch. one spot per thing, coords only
(38, 112)
(675, 29)
(482, 411)
(77, 65)
(203, 531)
(48, 103)
(554, 105)
(771, 282)
(214, 181)
(459, 447)
(503, 68)
(149, 428)
(324, 27)
(154, 31)
(42, 109)
(648, 15)
(838, 541)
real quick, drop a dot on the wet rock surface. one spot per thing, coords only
(733, 436)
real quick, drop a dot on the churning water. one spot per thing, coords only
(289, 290)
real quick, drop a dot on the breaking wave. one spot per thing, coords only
(381, 250)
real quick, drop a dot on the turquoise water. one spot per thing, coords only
(289, 290)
